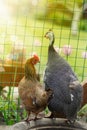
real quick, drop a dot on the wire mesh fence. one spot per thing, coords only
(22, 28)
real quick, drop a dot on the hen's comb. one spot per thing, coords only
(36, 57)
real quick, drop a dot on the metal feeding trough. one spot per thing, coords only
(49, 124)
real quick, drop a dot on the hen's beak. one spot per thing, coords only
(38, 61)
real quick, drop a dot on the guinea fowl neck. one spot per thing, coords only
(52, 40)
(52, 54)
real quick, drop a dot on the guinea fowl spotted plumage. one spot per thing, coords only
(65, 85)
(31, 92)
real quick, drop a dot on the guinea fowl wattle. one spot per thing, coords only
(60, 77)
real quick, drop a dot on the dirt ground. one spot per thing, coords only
(3, 127)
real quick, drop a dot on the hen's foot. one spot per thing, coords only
(28, 120)
(32, 119)
(37, 118)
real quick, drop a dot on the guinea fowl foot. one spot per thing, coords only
(70, 122)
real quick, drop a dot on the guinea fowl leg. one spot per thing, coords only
(70, 122)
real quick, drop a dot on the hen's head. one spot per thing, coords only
(35, 59)
(49, 34)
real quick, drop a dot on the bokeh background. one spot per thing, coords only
(23, 24)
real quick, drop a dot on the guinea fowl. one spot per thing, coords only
(65, 85)
(31, 92)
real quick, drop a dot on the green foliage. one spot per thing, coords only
(57, 11)
(36, 29)
(28, 30)
(83, 111)
(11, 111)
(83, 25)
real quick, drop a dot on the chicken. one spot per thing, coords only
(59, 77)
(31, 92)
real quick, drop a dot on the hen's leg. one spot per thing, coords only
(27, 119)
(37, 118)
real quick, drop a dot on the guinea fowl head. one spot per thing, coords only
(50, 36)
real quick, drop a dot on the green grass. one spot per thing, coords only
(11, 111)
(28, 29)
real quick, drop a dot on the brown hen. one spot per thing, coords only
(31, 92)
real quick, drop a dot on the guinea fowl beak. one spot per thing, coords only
(45, 36)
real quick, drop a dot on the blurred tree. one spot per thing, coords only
(62, 12)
